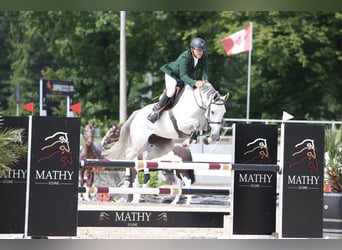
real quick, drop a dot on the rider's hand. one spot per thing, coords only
(199, 84)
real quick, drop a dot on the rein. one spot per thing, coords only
(213, 97)
(205, 107)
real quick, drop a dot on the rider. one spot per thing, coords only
(183, 69)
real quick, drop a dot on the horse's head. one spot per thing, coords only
(112, 135)
(215, 110)
(89, 134)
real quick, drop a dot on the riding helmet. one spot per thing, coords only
(198, 43)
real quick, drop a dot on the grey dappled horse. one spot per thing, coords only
(196, 110)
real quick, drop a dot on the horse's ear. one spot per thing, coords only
(226, 97)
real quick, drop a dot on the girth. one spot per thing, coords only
(180, 133)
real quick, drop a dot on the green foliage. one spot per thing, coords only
(333, 158)
(12, 148)
(295, 58)
(154, 181)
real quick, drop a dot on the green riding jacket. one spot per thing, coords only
(183, 68)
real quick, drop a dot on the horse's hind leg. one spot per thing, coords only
(183, 178)
(81, 182)
(179, 184)
(187, 184)
(90, 181)
(137, 197)
(135, 184)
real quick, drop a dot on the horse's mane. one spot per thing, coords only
(207, 91)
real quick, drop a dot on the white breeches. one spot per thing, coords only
(170, 84)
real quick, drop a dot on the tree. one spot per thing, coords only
(295, 58)
(294, 55)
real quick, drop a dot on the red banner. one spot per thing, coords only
(29, 107)
(76, 107)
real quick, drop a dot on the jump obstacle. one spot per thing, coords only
(156, 191)
(140, 165)
(47, 176)
(153, 165)
(300, 202)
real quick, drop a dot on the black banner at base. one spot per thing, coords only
(254, 202)
(302, 201)
(13, 185)
(53, 183)
(90, 218)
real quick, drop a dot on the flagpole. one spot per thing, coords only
(249, 73)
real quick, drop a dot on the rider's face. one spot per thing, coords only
(197, 53)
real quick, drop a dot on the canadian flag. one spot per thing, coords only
(238, 42)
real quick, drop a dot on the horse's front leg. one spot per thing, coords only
(192, 139)
(192, 127)
(193, 136)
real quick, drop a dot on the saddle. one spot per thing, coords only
(176, 96)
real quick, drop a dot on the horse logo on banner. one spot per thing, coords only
(257, 152)
(162, 219)
(57, 145)
(305, 155)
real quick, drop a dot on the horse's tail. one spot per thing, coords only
(118, 150)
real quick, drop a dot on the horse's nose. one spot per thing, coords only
(215, 136)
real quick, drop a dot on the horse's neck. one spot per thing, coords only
(97, 149)
(194, 103)
(87, 152)
(187, 103)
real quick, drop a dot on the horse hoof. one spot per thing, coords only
(207, 140)
(186, 143)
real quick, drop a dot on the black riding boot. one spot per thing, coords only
(158, 108)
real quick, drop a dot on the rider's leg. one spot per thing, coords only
(157, 109)
(170, 84)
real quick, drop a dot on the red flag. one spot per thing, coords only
(238, 42)
(29, 107)
(76, 107)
